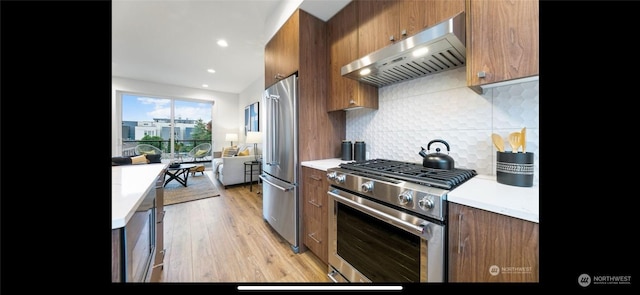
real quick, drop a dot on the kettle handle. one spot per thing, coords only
(440, 141)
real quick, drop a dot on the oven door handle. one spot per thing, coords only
(409, 227)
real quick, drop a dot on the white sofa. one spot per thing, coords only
(230, 170)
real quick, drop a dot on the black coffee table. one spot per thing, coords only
(180, 174)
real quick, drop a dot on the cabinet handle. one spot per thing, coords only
(278, 76)
(315, 177)
(404, 33)
(392, 38)
(352, 102)
(482, 74)
(459, 233)
(313, 238)
(314, 203)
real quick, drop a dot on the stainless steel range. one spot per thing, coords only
(387, 221)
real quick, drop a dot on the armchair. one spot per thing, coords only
(200, 151)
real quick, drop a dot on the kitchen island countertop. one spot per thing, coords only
(481, 191)
(129, 185)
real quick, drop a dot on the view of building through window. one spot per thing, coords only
(172, 125)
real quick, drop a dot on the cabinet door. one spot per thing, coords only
(378, 25)
(412, 17)
(490, 247)
(502, 41)
(282, 52)
(342, 37)
(439, 10)
(314, 190)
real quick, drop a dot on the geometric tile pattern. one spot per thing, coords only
(440, 106)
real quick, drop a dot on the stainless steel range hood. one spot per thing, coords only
(444, 44)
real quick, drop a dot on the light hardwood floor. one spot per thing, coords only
(225, 239)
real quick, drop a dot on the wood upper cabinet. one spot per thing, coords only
(282, 52)
(489, 247)
(502, 41)
(300, 46)
(342, 39)
(314, 215)
(383, 23)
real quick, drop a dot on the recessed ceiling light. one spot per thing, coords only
(211, 71)
(222, 43)
(205, 85)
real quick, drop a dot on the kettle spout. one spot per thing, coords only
(422, 153)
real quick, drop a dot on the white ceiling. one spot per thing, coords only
(174, 41)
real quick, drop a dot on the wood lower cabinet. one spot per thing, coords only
(502, 41)
(314, 214)
(342, 36)
(490, 247)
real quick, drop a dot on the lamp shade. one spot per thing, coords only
(231, 137)
(254, 137)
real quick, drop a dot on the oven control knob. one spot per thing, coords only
(405, 197)
(331, 176)
(341, 178)
(367, 186)
(425, 203)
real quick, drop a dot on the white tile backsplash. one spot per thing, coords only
(441, 106)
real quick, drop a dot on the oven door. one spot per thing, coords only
(372, 242)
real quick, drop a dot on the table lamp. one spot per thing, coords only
(255, 138)
(231, 137)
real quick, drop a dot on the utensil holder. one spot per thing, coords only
(514, 168)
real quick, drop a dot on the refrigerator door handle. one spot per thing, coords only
(276, 130)
(273, 121)
(284, 189)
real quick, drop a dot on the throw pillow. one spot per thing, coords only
(151, 152)
(244, 153)
(242, 147)
(200, 153)
(229, 152)
(155, 158)
(139, 160)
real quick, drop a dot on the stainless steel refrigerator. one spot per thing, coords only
(280, 197)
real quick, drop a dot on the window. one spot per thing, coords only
(173, 125)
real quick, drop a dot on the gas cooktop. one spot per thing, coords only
(412, 172)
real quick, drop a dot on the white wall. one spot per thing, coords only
(441, 106)
(253, 93)
(224, 112)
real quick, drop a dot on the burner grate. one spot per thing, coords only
(413, 172)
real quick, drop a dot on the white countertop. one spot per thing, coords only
(481, 191)
(324, 164)
(130, 183)
(484, 192)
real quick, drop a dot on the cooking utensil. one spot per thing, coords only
(514, 141)
(523, 141)
(438, 160)
(498, 142)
